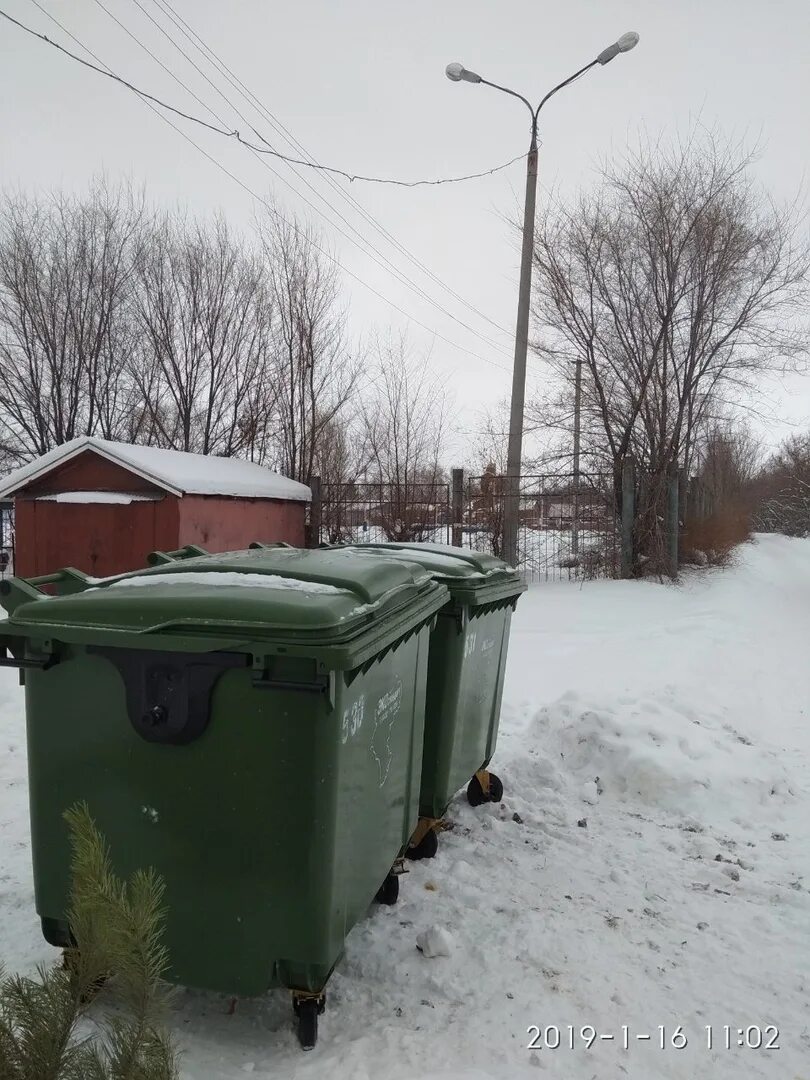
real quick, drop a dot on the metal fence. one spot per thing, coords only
(375, 512)
(568, 524)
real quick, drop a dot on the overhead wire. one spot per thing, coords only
(378, 256)
(374, 253)
(110, 74)
(191, 35)
(263, 201)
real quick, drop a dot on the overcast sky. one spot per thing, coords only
(361, 85)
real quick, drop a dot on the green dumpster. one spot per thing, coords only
(250, 724)
(466, 671)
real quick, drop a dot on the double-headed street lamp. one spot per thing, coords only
(458, 73)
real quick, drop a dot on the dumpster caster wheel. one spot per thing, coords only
(476, 796)
(425, 849)
(483, 788)
(495, 788)
(388, 892)
(307, 1010)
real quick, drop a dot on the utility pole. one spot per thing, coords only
(458, 73)
(511, 519)
(577, 429)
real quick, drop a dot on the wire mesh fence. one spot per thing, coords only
(568, 528)
(378, 512)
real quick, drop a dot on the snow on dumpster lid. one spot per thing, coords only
(176, 471)
(215, 578)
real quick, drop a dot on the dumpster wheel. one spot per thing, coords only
(484, 787)
(425, 841)
(388, 892)
(307, 1008)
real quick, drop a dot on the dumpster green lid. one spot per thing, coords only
(318, 596)
(476, 573)
(441, 560)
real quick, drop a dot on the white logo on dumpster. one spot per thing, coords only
(384, 716)
(352, 719)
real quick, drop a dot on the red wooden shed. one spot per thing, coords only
(103, 506)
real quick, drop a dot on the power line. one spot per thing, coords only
(110, 74)
(272, 209)
(284, 132)
(374, 253)
(378, 256)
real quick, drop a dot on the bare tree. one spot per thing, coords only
(726, 456)
(404, 423)
(341, 461)
(485, 497)
(782, 489)
(204, 312)
(314, 369)
(65, 300)
(673, 287)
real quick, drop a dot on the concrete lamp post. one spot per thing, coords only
(458, 73)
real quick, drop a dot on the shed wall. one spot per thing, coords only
(89, 472)
(99, 538)
(222, 524)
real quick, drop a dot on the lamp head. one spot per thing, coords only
(458, 73)
(625, 43)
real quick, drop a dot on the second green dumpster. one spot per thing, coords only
(466, 670)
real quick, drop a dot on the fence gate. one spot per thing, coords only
(568, 525)
(378, 512)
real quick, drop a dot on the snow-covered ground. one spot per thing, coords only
(649, 865)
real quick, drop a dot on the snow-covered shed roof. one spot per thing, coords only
(174, 470)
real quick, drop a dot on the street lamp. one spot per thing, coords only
(458, 73)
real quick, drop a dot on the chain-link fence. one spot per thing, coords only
(568, 524)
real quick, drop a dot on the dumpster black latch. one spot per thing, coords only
(169, 693)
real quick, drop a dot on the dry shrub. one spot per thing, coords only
(710, 540)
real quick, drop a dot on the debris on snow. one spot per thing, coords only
(435, 941)
(589, 793)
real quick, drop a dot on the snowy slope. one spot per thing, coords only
(691, 705)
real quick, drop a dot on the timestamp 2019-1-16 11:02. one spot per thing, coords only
(663, 1036)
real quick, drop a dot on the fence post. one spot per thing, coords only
(456, 506)
(628, 514)
(315, 513)
(672, 520)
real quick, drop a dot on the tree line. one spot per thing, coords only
(151, 326)
(662, 298)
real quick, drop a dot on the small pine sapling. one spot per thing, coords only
(116, 929)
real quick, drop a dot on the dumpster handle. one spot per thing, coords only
(12, 661)
(159, 558)
(18, 590)
(259, 545)
(56, 578)
(322, 685)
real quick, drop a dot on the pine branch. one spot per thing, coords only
(117, 929)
